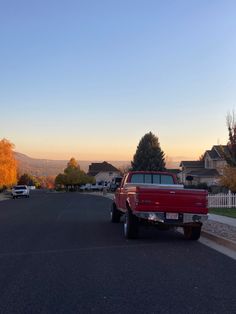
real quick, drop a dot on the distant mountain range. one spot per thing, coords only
(48, 167)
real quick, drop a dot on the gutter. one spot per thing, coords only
(219, 240)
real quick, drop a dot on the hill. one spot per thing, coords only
(49, 167)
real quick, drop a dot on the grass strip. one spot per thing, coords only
(228, 212)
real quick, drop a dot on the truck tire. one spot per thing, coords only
(131, 226)
(115, 213)
(192, 233)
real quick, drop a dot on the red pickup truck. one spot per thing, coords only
(157, 198)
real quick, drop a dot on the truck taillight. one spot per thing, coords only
(140, 201)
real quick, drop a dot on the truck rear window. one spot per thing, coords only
(152, 178)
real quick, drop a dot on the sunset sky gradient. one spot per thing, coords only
(89, 78)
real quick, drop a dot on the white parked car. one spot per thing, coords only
(92, 187)
(20, 191)
(85, 187)
(96, 187)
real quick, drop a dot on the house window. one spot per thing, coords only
(207, 163)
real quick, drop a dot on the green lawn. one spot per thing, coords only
(229, 212)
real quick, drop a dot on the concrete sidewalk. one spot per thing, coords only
(223, 219)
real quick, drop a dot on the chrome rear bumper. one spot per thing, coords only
(161, 217)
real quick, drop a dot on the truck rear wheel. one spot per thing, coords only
(192, 232)
(130, 225)
(115, 213)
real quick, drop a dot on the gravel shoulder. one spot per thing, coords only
(220, 230)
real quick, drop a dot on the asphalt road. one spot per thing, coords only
(60, 254)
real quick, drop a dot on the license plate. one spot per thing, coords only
(173, 216)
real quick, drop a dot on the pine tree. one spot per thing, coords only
(149, 156)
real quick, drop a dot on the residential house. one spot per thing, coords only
(103, 171)
(208, 170)
(215, 158)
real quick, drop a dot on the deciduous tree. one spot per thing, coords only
(27, 179)
(228, 179)
(230, 154)
(60, 179)
(73, 175)
(46, 182)
(72, 165)
(8, 164)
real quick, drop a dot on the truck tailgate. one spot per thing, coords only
(172, 200)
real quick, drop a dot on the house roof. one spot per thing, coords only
(213, 154)
(218, 152)
(97, 167)
(192, 164)
(204, 173)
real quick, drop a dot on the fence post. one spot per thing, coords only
(229, 199)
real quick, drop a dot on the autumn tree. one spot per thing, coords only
(60, 179)
(149, 156)
(72, 165)
(49, 182)
(46, 182)
(8, 164)
(27, 179)
(230, 153)
(72, 176)
(228, 179)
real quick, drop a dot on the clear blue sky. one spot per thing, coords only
(89, 78)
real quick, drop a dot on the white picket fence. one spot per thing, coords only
(222, 200)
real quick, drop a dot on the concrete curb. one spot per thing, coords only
(4, 196)
(110, 196)
(107, 195)
(219, 240)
